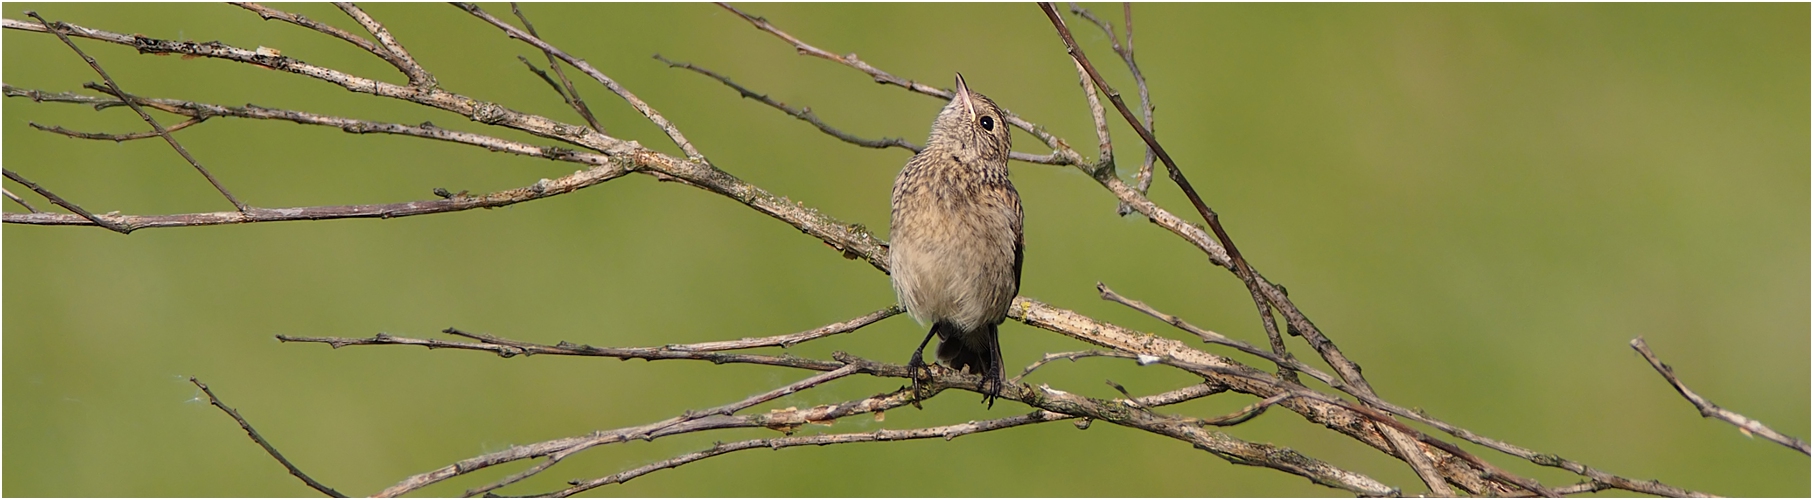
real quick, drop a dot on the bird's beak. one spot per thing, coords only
(963, 95)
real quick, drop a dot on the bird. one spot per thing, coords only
(956, 243)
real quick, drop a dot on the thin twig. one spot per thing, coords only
(647, 111)
(272, 450)
(545, 77)
(571, 95)
(804, 114)
(1143, 179)
(884, 77)
(399, 57)
(81, 215)
(20, 201)
(60, 29)
(1105, 146)
(1747, 425)
(1244, 414)
(408, 67)
(115, 137)
(1071, 356)
(793, 339)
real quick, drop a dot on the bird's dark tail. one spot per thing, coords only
(978, 351)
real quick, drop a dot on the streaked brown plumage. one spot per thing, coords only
(955, 247)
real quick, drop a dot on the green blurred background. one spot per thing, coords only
(1481, 203)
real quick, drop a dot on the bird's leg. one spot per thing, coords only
(916, 368)
(991, 384)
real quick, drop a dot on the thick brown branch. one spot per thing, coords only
(272, 450)
(1747, 425)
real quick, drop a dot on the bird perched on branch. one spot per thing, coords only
(955, 249)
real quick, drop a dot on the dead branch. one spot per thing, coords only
(272, 450)
(1370, 421)
(1746, 425)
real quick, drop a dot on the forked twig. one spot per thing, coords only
(1142, 180)
(570, 95)
(82, 215)
(398, 56)
(272, 450)
(647, 111)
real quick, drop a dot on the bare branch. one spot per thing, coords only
(1348, 370)
(115, 137)
(1246, 413)
(602, 168)
(81, 216)
(409, 68)
(1143, 179)
(1226, 447)
(673, 132)
(263, 443)
(947, 432)
(884, 77)
(60, 29)
(856, 242)
(398, 56)
(570, 95)
(1070, 356)
(804, 114)
(793, 339)
(477, 110)
(1747, 425)
(20, 201)
(1104, 144)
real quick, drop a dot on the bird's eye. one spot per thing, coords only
(988, 123)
